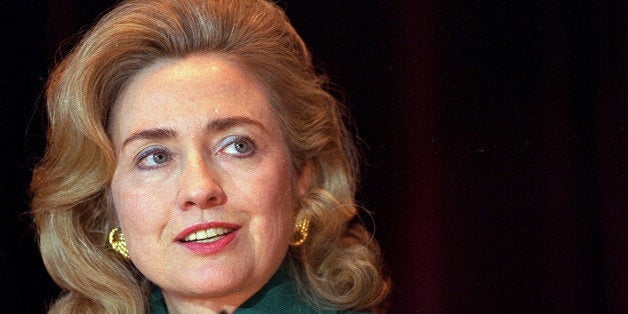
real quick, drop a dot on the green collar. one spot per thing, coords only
(279, 295)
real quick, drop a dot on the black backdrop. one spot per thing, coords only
(495, 135)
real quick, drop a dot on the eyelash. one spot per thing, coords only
(229, 141)
(148, 153)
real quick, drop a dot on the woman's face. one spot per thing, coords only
(203, 188)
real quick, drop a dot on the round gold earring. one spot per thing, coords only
(117, 242)
(301, 232)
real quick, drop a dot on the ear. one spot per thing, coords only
(303, 179)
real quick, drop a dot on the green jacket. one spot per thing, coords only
(279, 295)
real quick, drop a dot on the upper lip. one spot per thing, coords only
(202, 226)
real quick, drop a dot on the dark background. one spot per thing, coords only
(495, 135)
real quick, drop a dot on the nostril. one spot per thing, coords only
(212, 199)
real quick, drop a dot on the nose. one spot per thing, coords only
(199, 186)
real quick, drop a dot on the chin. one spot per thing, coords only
(217, 283)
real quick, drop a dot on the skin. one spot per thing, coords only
(178, 168)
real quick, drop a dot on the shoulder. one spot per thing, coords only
(280, 295)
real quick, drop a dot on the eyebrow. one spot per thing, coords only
(213, 126)
(223, 124)
(150, 134)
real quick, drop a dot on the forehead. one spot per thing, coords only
(189, 90)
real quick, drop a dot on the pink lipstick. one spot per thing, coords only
(208, 238)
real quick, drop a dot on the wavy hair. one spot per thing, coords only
(338, 267)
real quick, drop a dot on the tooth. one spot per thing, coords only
(206, 234)
(201, 234)
(191, 237)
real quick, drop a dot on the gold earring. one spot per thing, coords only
(117, 242)
(302, 231)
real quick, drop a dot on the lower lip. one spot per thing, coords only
(210, 247)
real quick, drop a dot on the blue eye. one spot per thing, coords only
(158, 158)
(152, 158)
(239, 146)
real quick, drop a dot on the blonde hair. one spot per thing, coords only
(338, 267)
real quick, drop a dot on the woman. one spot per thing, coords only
(194, 163)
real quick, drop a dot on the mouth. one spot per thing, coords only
(207, 235)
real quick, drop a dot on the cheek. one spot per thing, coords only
(139, 211)
(267, 189)
(271, 205)
(271, 229)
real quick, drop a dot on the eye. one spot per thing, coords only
(152, 158)
(241, 147)
(238, 146)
